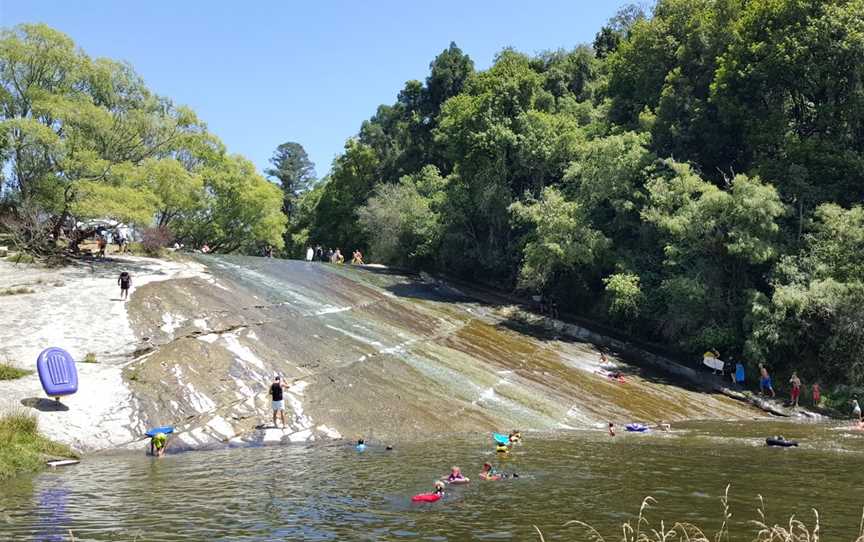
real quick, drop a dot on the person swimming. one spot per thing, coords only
(502, 449)
(515, 436)
(455, 476)
(489, 473)
(439, 488)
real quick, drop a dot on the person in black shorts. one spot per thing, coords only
(125, 282)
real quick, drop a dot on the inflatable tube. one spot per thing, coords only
(635, 428)
(501, 439)
(57, 372)
(165, 430)
(458, 481)
(426, 497)
(783, 443)
(360, 447)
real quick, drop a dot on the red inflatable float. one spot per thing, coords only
(426, 497)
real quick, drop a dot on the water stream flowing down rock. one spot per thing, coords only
(366, 352)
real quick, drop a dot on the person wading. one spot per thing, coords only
(277, 393)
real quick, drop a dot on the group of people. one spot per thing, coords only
(330, 255)
(487, 472)
(711, 358)
(106, 237)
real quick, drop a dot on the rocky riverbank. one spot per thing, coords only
(367, 352)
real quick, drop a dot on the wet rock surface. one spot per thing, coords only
(366, 353)
(372, 354)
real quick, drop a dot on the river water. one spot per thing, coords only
(329, 491)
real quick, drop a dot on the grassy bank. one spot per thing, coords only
(22, 448)
(8, 372)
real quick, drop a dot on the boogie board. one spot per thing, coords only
(501, 439)
(165, 430)
(57, 372)
(63, 462)
(714, 363)
(739, 373)
(426, 497)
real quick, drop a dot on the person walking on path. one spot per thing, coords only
(277, 393)
(102, 244)
(796, 388)
(125, 282)
(765, 381)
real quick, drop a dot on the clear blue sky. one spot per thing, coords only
(265, 72)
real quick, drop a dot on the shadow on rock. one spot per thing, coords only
(44, 405)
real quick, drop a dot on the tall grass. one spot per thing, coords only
(793, 531)
(22, 448)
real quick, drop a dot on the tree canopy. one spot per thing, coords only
(84, 138)
(694, 176)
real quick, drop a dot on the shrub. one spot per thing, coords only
(22, 448)
(90, 358)
(155, 240)
(16, 291)
(8, 372)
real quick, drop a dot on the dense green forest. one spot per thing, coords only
(85, 140)
(693, 177)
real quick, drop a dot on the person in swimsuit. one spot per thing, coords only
(515, 436)
(488, 473)
(455, 475)
(611, 429)
(817, 394)
(765, 381)
(502, 449)
(125, 282)
(856, 410)
(796, 388)
(439, 488)
(276, 392)
(158, 443)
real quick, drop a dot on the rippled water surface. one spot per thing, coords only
(331, 492)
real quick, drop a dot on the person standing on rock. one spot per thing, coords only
(277, 393)
(796, 388)
(125, 282)
(765, 381)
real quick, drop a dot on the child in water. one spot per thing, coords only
(515, 436)
(158, 443)
(502, 449)
(439, 488)
(455, 476)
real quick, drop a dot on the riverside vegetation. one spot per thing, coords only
(22, 448)
(84, 139)
(693, 178)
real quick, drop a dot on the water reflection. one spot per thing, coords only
(328, 492)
